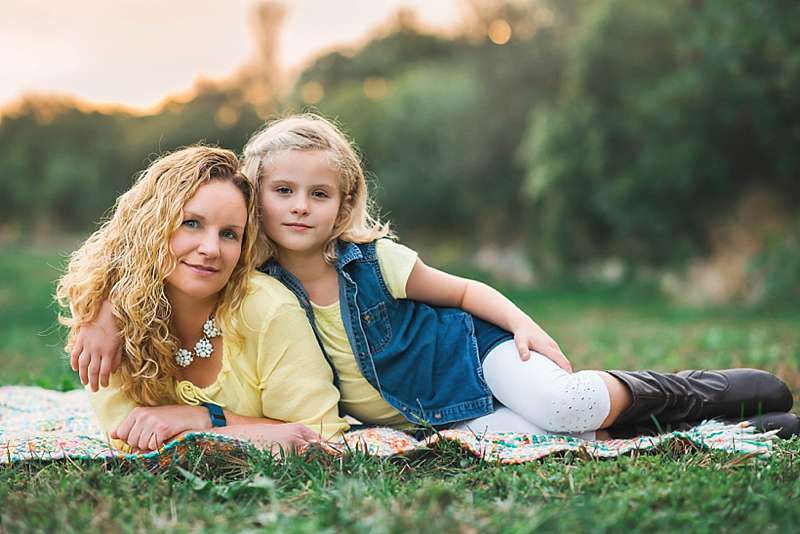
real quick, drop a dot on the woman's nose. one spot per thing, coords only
(209, 246)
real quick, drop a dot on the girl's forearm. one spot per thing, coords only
(488, 304)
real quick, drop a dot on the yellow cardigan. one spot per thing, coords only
(279, 372)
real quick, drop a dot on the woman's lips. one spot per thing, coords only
(201, 269)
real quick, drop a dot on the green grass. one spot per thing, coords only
(441, 490)
(31, 340)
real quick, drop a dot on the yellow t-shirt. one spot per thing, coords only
(359, 398)
(278, 372)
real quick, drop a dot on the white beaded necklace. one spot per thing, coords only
(203, 348)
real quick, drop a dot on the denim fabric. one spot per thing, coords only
(424, 361)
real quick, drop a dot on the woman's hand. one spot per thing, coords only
(529, 336)
(274, 437)
(148, 428)
(97, 349)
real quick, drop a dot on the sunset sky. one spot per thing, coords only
(135, 52)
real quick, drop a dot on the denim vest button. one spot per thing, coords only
(437, 415)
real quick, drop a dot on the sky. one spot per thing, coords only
(136, 52)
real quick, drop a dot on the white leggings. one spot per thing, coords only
(539, 397)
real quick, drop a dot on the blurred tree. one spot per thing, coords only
(591, 128)
(65, 166)
(669, 113)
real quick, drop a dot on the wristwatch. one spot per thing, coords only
(216, 413)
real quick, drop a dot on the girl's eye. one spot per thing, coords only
(191, 223)
(319, 194)
(230, 234)
(283, 190)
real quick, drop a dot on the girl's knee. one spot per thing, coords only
(576, 403)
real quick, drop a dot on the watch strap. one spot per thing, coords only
(216, 414)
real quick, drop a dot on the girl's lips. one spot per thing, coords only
(200, 269)
(297, 226)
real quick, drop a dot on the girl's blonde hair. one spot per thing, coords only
(308, 131)
(128, 258)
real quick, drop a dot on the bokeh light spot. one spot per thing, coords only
(499, 32)
(226, 116)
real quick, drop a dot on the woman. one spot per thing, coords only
(208, 342)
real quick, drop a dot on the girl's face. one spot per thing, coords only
(208, 243)
(300, 199)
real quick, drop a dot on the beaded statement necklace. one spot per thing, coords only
(203, 348)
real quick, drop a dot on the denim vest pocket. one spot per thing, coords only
(377, 328)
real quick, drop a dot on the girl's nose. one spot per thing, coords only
(300, 207)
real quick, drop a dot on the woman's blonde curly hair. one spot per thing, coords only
(128, 258)
(308, 131)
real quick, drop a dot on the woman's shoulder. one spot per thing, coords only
(267, 297)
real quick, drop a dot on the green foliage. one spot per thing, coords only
(778, 266)
(64, 167)
(670, 111)
(603, 128)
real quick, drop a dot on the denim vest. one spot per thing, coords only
(424, 361)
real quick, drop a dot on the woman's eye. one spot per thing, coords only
(230, 234)
(191, 223)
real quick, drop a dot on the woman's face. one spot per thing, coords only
(208, 243)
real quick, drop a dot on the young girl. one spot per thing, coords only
(410, 344)
(207, 340)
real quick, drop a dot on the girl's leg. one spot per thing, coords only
(504, 420)
(549, 397)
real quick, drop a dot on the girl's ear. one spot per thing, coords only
(345, 208)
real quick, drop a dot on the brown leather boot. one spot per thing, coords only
(787, 424)
(663, 398)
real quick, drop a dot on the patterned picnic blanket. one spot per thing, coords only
(40, 424)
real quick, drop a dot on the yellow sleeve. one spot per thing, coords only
(295, 380)
(396, 262)
(112, 406)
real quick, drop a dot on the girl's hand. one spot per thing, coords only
(530, 337)
(147, 428)
(97, 350)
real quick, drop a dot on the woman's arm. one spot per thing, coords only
(439, 288)
(148, 428)
(144, 428)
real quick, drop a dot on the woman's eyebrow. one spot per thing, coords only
(192, 215)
